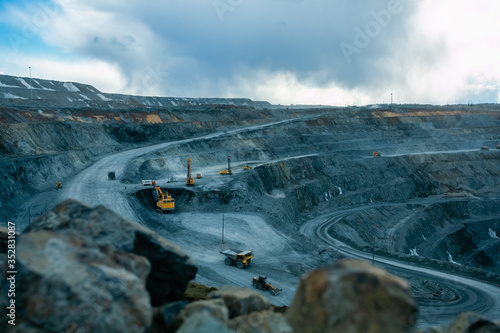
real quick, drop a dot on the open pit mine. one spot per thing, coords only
(249, 189)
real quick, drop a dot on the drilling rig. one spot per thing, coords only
(227, 171)
(189, 178)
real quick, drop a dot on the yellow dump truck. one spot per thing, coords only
(240, 259)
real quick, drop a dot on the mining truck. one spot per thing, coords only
(262, 284)
(240, 259)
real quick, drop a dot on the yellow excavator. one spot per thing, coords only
(189, 178)
(58, 185)
(166, 203)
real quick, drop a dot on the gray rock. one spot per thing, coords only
(168, 314)
(214, 307)
(246, 307)
(171, 268)
(472, 323)
(203, 322)
(66, 282)
(241, 301)
(352, 296)
(164, 316)
(437, 329)
(260, 322)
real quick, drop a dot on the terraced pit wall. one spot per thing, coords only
(41, 145)
(430, 159)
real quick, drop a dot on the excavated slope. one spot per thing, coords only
(433, 192)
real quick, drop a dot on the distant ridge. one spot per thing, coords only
(50, 93)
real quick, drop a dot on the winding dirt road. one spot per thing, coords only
(476, 296)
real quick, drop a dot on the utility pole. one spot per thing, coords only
(391, 98)
(31, 85)
(373, 250)
(222, 228)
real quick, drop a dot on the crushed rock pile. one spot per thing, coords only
(82, 269)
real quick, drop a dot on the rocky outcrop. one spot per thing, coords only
(231, 309)
(204, 322)
(352, 296)
(241, 301)
(214, 307)
(65, 281)
(171, 268)
(260, 322)
(469, 323)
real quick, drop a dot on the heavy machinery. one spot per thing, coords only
(111, 175)
(240, 259)
(498, 146)
(165, 203)
(58, 185)
(199, 175)
(377, 154)
(262, 284)
(246, 167)
(227, 171)
(485, 147)
(189, 178)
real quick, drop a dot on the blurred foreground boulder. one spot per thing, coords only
(82, 269)
(241, 301)
(171, 268)
(64, 282)
(352, 296)
(230, 309)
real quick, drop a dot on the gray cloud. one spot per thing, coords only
(205, 47)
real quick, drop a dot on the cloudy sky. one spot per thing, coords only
(332, 52)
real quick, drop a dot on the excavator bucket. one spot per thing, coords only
(276, 292)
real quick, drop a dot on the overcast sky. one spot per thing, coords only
(283, 51)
